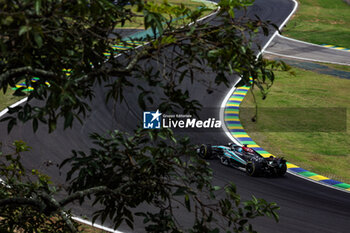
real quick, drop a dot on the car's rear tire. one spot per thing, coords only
(253, 168)
(205, 151)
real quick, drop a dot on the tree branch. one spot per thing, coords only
(130, 66)
(26, 70)
(55, 206)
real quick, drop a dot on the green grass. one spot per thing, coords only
(8, 99)
(326, 153)
(321, 22)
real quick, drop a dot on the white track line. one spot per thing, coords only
(230, 92)
(280, 27)
(308, 43)
(306, 59)
(96, 225)
(223, 104)
(222, 113)
(3, 112)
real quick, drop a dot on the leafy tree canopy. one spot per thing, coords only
(44, 38)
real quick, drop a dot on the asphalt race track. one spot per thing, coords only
(285, 47)
(305, 206)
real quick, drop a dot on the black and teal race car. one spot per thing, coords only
(244, 158)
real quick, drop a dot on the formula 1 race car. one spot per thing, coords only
(244, 158)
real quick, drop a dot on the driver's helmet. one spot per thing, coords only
(239, 149)
(247, 149)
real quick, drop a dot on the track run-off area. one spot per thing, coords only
(305, 206)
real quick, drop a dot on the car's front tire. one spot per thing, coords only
(205, 151)
(224, 160)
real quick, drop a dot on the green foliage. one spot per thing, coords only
(25, 204)
(42, 38)
(119, 174)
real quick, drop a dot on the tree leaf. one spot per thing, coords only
(37, 6)
(23, 29)
(38, 40)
